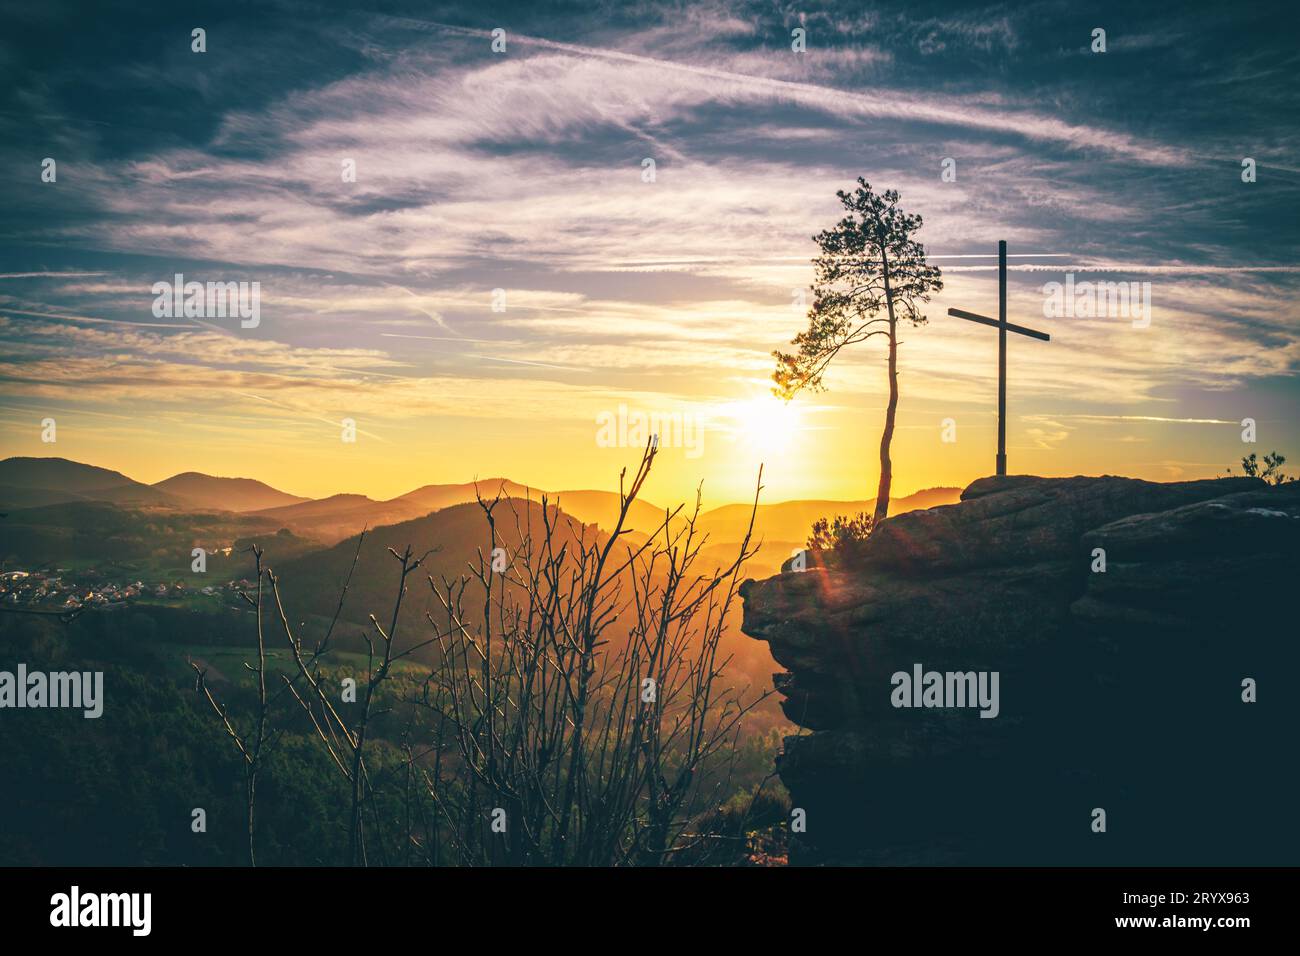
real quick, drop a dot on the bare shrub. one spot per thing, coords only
(575, 712)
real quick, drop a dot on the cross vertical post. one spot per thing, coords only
(1003, 327)
(1002, 357)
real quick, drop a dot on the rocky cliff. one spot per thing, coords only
(1125, 620)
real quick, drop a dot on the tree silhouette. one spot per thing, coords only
(868, 261)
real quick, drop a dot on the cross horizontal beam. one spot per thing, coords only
(985, 320)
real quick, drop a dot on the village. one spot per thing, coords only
(65, 589)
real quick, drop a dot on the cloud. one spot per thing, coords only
(523, 172)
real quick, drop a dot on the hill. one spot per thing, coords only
(601, 508)
(344, 516)
(36, 481)
(59, 473)
(148, 543)
(451, 537)
(314, 508)
(793, 520)
(311, 584)
(432, 497)
(338, 517)
(209, 492)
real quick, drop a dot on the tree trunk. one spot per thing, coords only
(887, 436)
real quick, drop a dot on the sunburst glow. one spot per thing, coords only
(766, 424)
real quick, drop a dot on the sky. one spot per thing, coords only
(507, 274)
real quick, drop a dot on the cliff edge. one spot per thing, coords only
(985, 676)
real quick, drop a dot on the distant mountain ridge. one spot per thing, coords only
(69, 475)
(226, 494)
(434, 497)
(793, 520)
(36, 482)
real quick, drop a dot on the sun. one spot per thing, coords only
(767, 424)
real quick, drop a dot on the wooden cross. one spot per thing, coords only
(1001, 324)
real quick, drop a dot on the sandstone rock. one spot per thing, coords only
(1114, 684)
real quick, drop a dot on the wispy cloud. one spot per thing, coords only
(523, 172)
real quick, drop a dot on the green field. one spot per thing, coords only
(227, 663)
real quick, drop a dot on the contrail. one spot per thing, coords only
(839, 101)
(558, 368)
(435, 338)
(1148, 418)
(438, 319)
(327, 421)
(50, 275)
(91, 318)
(487, 358)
